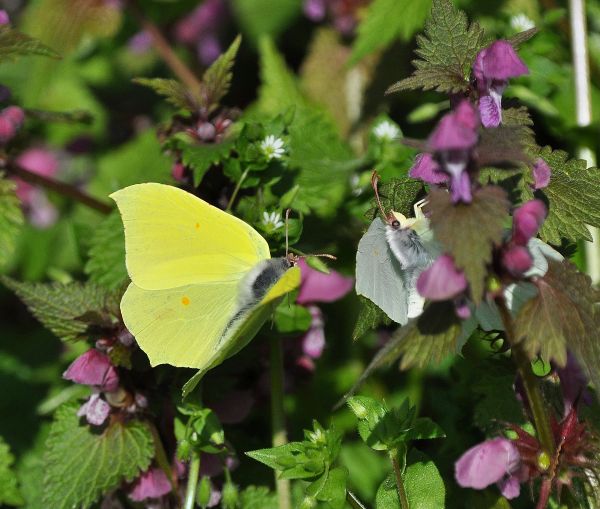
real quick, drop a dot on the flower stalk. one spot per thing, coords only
(399, 481)
(192, 483)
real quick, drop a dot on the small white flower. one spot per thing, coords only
(521, 22)
(272, 220)
(272, 147)
(386, 131)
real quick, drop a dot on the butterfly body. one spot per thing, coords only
(202, 280)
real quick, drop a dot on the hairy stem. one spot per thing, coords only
(353, 501)
(162, 46)
(399, 481)
(279, 436)
(192, 484)
(61, 188)
(238, 186)
(541, 419)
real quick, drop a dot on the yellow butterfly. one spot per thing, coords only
(202, 281)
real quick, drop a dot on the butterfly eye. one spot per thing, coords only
(395, 223)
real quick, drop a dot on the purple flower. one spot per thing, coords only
(178, 171)
(313, 341)
(93, 368)
(573, 383)
(208, 48)
(517, 260)
(95, 410)
(442, 280)
(15, 114)
(428, 170)
(527, 220)
(541, 174)
(4, 17)
(319, 287)
(452, 141)
(36, 160)
(493, 67)
(7, 130)
(140, 42)
(153, 483)
(315, 10)
(492, 461)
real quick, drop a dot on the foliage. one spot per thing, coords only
(14, 44)
(9, 490)
(11, 219)
(81, 465)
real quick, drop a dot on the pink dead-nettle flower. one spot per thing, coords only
(442, 280)
(95, 410)
(4, 17)
(517, 260)
(153, 483)
(452, 142)
(527, 220)
(426, 168)
(541, 174)
(492, 461)
(93, 368)
(493, 67)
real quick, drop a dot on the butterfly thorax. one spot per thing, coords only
(260, 279)
(406, 246)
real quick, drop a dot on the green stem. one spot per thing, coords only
(238, 186)
(192, 484)
(541, 419)
(353, 501)
(279, 436)
(399, 482)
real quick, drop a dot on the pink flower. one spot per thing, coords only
(140, 42)
(95, 410)
(153, 483)
(319, 287)
(315, 10)
(492, 461)
(93, 368)
(442, 280)
(493, 67)
(36, 160)
(517, 260)
(313, 342)
(541, 174)
(4, 17)
(527, 220)
(425, 168)
(7, 130)
(178, 171)
(15, 114)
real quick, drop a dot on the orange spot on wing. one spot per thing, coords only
(185, 301)
(197, 226)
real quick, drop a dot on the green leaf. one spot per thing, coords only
(303, 460)
(397, 194)
(217, 78)
(11, 220)
(68, 310)
(174, 92)
(469, 231)
(384, 21)
(292, 318)
(422, 482)
(9, 490)
(370, 317)
(106, 263)
(257, 497)
(518, 39)
(428, 339)
(447, 51)
(425, 429)
(200, 158)
(265, 17)
(573, 196)
(14, 44)
(82, 465)
(330, 488)
(563, 315)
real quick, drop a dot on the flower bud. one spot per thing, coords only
(15, 114)
(517, 260)
(527, 220)
(7, 130)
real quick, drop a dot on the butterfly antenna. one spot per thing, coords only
(374, 182)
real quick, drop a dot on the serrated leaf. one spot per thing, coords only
(384, 21)
(573, 196)
(106, 263)
(370, 317)
(422, 482)
(502, 146)
(9, 490)
(397, 194)
(292, 318)
(82, 465)
(447, 51)
(564, 314)
(330, 488)
(424, 429)
(11, 220)
(217, 78)
(422, 341)
(518, 39)
(469, 231)
(257, 497)
(14, 44)
(68, 310)
(173, 91)
(200, 158)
